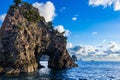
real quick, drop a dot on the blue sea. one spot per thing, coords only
(87, 70)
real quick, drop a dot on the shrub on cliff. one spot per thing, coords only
(17, 2)
(50, 25)
(30, 13)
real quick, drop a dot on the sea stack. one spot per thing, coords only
(25, 37)
(74, 58)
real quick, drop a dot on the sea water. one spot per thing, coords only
(86, 70)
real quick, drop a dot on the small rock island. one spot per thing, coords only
(25, 36)
(74, 58)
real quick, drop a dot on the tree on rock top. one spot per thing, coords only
(50, 25)
(17, 2)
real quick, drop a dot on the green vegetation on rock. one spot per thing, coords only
(49, 25)
(17, 2)
(30, 13)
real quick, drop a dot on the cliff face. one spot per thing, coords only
(24, 37)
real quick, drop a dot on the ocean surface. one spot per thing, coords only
(87, 70)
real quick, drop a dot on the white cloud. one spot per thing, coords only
(94, 33)
(2, 17)
(88, 52)
(74, 18)
(47, 10)
(113, 55)
(113, 47)
(84, 50)
(67, 33)
(106, 3)
(100, 45)
(117, 5)
(69, 45)
(61, 29)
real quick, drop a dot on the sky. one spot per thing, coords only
(92, 26)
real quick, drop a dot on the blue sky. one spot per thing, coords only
(89, 22)
(104, 21)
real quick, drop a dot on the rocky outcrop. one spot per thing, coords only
(24, 38)
(74, 58)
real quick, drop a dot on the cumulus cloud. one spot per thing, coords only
(88, 52)
(47, 10)
(114, 55)
(2, 17)
(100, 45)
(117, 5)
(69, 45)
(61, 29)
(106, 3)
(84, 50)
(113, 47)
(74, 18)
(67, 33)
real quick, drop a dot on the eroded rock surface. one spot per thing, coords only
(24, 37)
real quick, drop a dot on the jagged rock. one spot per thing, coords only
(74, 58)
(24, 38)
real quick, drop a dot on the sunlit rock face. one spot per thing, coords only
(25, 37)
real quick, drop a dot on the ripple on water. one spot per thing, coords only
(85, 71)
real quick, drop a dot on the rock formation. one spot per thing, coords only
(24, 37)
(74, 58)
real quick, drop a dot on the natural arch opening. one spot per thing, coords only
(44, 61)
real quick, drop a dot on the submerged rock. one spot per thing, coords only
(25, 37)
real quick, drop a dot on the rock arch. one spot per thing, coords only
(22, 46)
